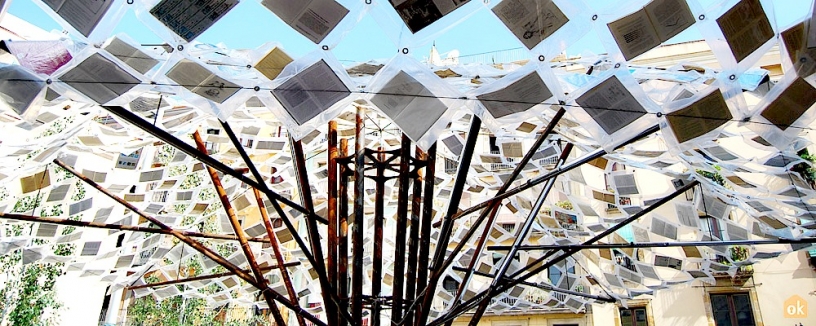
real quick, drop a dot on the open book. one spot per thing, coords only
(745, 28)
(189, 18)
(791, 104)
(531, 21)
(699, 118)
(611, 105)
(418, 14)
(517, 97)
(314, 19)
(650, 26)
(201, 81)
(100, 79)
(410, 104)
(83, 15)
(131, 56)
(273, 63)
(19, 88)
(311, 92)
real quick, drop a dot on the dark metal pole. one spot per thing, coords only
(209, 253)
(521, 235)
(659, 244)
(357, 234)
(203, 277)
(447, 224)
(534, 268)
(554, 173)
(425, 231)
(546, 287)
(402, 225)
(491, 212)
(132, 228)
(379, 219)
(413, 243)
(166, 137)
(342, 246)
(314, 233)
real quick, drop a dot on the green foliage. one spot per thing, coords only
(177, 170)
(28, 203)
(190, 181)
(57, 126)
(165, 154)
(713, 176)
(805, 170)
(564, 204)
(79, 192)
(179, 311)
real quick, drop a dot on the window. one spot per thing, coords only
(711, 227)
(635, 316)
(450, 285)
(732, 309)
(555, 274)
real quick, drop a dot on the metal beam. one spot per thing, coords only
(547, 287)
(132, 228)
(533, 270)
(543, 178)
(357, 232)
(331, 267)
(402, 225)
(204, 277)
(659, 244)
(166, 137)
(209, 253)
(491, 212)
(342, 239)
(447, 224)
(521, 235)
(239, 232)
(413, 243)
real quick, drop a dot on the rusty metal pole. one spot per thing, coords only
(342, 245)
(209, 253)
(402, 226)
(447, 223)
(413, 241)
(314, 233)
(239, 232)
(357, 234)
(275, 244)
(331, 272)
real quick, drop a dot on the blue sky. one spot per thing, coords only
(367, 41)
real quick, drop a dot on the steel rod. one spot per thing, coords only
(166, 137)
(535, 268)
(425, 231)
(659, 244)
(447, 225)
(132, 228)
(413, 243)
(319, 264)
(379, 224)
(203, 277)
(492, 210)
(554, 173)
(209, 253)
(546, 287)
(521, 234)
(402, 226)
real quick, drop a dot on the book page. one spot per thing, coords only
(669, 17)
(531, 21)
(311, 92)
(273, 63)
(313, 19)
(634, 34)
(286, 10)
(745, 28)
(517, 97)
(189, 18)
(700, 117)
(19, 88)
(791, 104)
(611, 105)
(410, 104)
(131, 56)
(794, 40)
(43, 57)
(100, 79)
(418, 14)
(811, 34)
(83, 15)
(201, 81)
